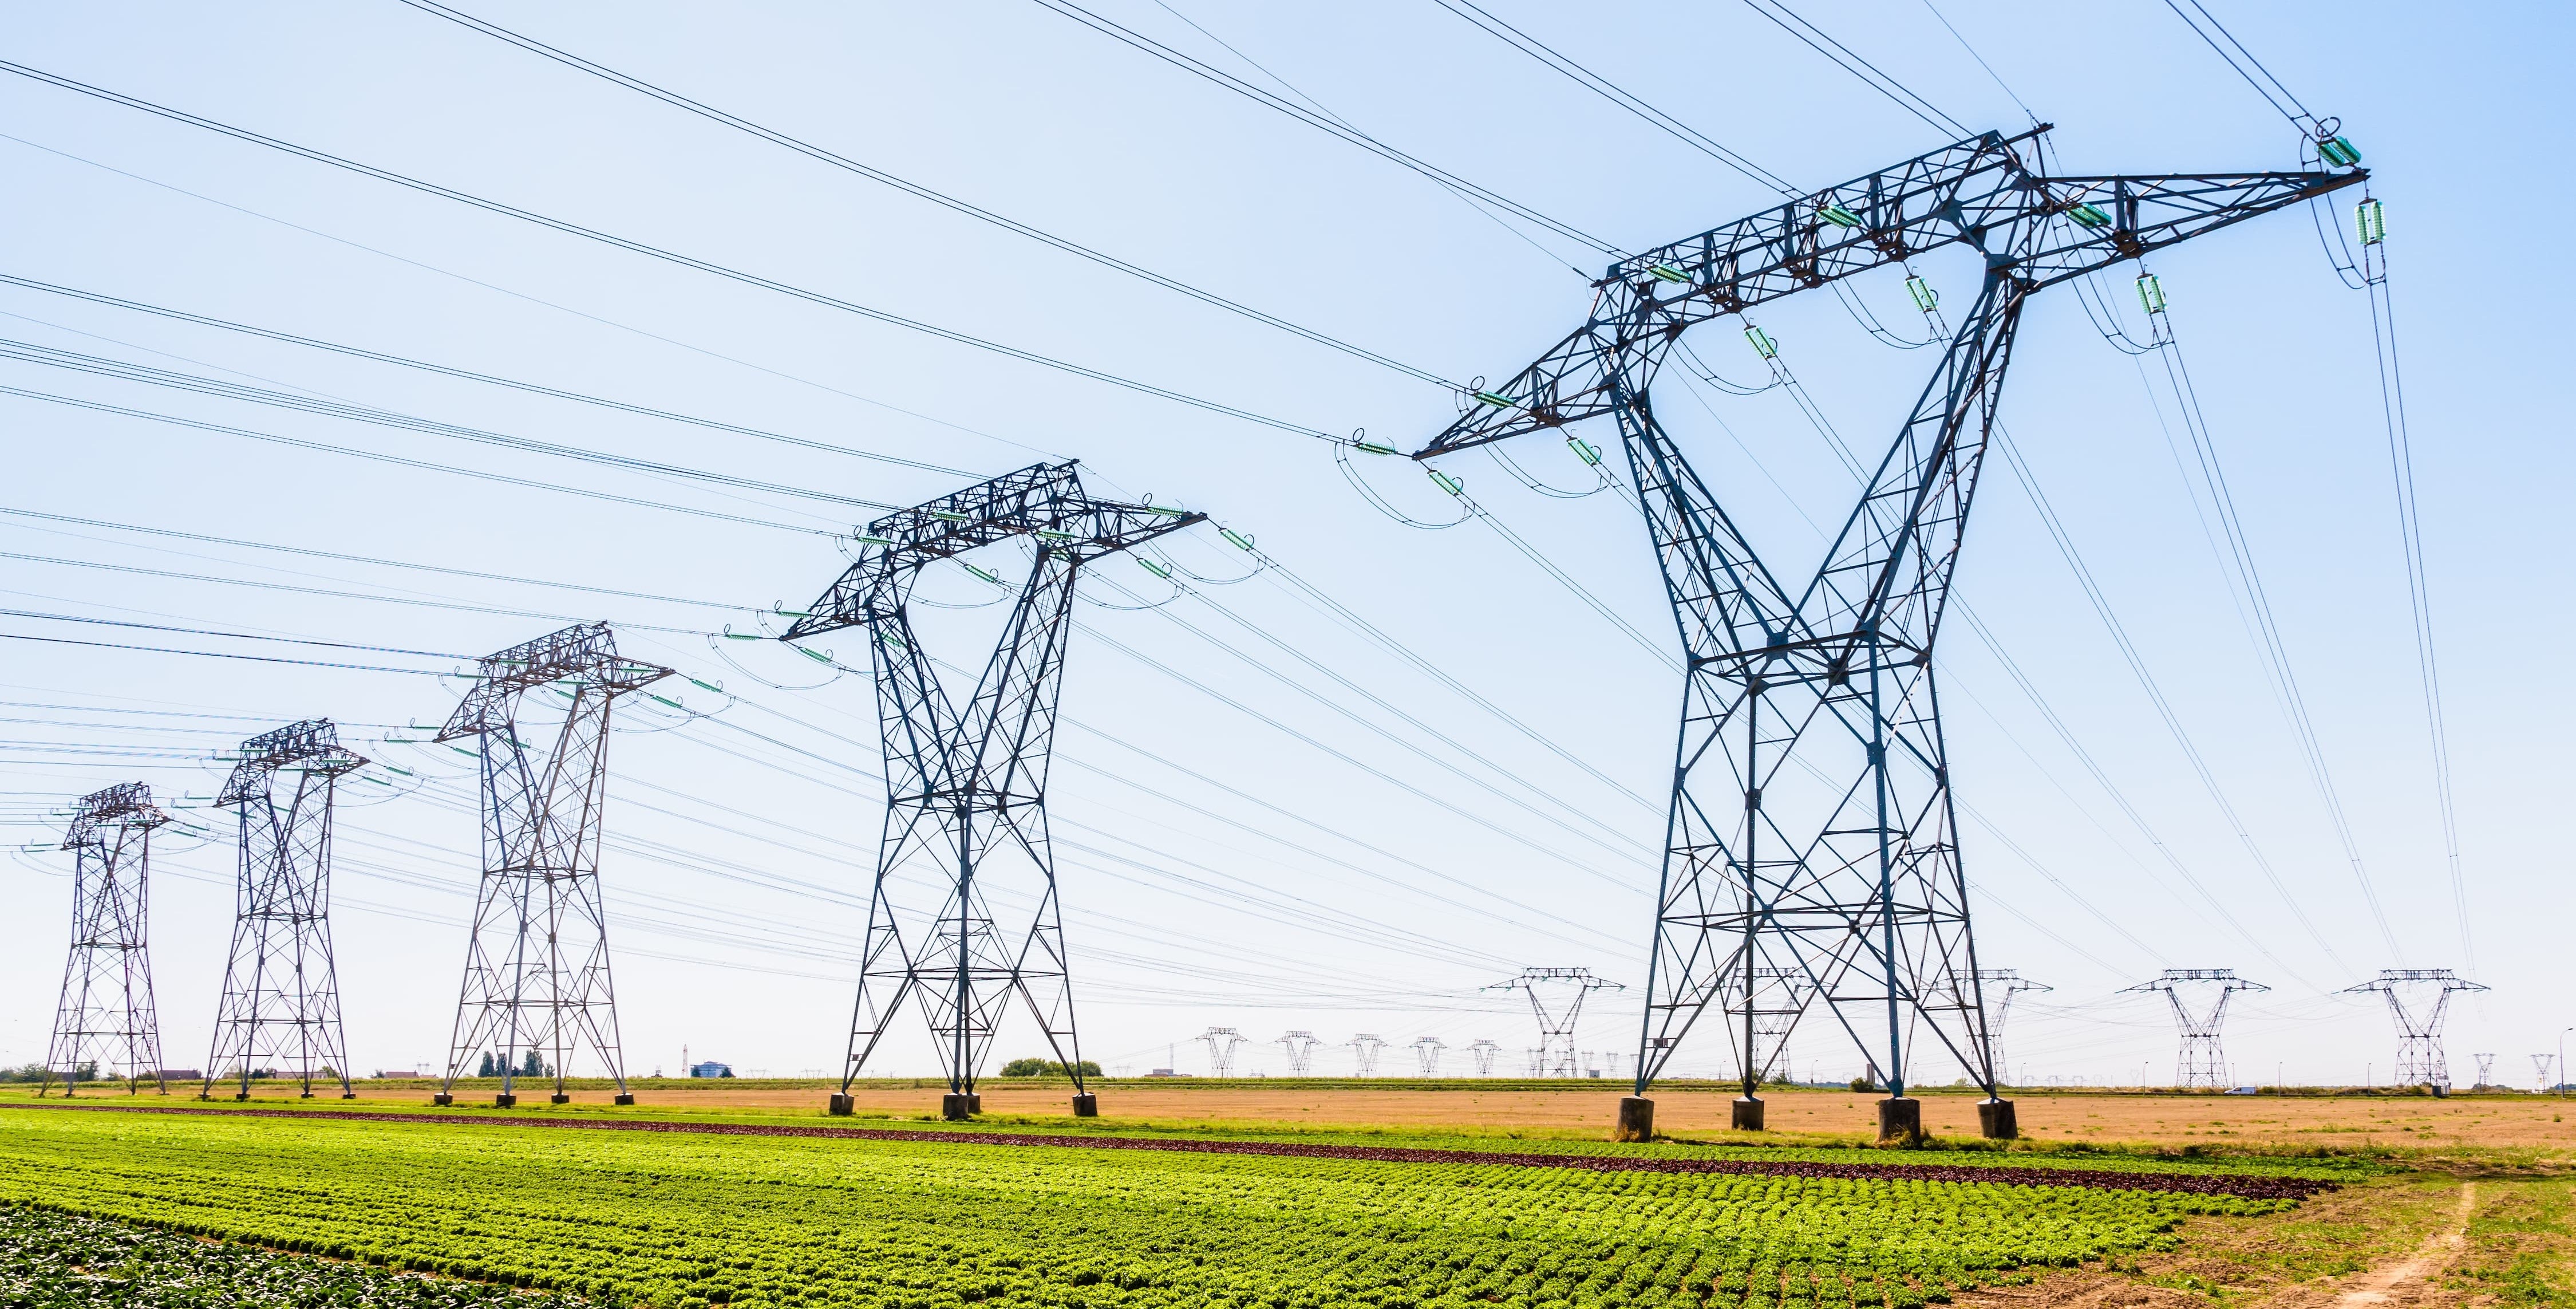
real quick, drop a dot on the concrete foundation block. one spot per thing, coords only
(956, 1108)
(1995, 1119)
(1748, 1114)
(1900, 1121)
(842, 1105)
(1086, 1105)
(1636, 1119)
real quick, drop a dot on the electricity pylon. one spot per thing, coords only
(1834, 851)
(1365, 1047)
(537, 988)
(1426, 1054)
(281, 990)
(1556, 997)
(105, 1020)
(966, 787)
(2001, 985)
(2420, 1058)
(2203, 1061)
(1483, 1053)
(1301, 1053)
(1221, 1044)
(2486, 1069)
(1758, 1025)
(2540, 1063)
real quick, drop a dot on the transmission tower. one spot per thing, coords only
(2203, 1062)
(1556, 997)
(1301, 1053)
(105, 1020)
(1426, 1054)
(537, 986)
(1758, 1027)
(2000, 986)
(281, 991)
(1834, 852)
(2486, 1069)
(1483, 1053)
(2540, 1064)
(2420, 1060)
(966, 788)
(1365, 1047)
(1221, 1044)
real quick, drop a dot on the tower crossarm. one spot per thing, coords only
(585, 653)
(2034, 230)
(312, 746)
(124, 805)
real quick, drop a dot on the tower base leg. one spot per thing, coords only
(1748, 1114)
(1900, 1121)
(1086, 1105)
(956, 1108)
(842, 1106)
(1636, 1119)
(442, 1099)
(1995, 1119)
(626, 1097)
(505, 1101)
(561, 1098)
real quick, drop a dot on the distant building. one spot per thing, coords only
(710, 1068)
(1165, 1072)
(182, 1074)
(400, 1072)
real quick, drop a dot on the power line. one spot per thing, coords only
(818, 153)
(1843, 56)
(656, 252)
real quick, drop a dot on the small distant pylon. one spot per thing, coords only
(2486, 1069)
(1556, 997)
(1426, 1054)
(105, 1019)
(2420, 1059)
(2203, 1062)
(1221, 1043)
(2540, 1063)
(1364, 1048)
(2000, 985)
(1483, 1052)
(281, 991)
(1301, 1052)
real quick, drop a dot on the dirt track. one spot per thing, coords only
(2317, 1123)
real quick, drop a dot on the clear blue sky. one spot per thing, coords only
(1392, 874)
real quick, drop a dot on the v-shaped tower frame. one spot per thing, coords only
(966, 787)
(1811, 826)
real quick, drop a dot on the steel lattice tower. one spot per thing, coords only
(1554, 1056)
(1811, 825)
(1758, 1026)
(1426, 1054)
(966, 787)
(2486, 1069)
(2420, 1058)
(537, 979)
(2000, 986)
(1364, 1049)
(1483, 1052)
(1301, 1053)
(281, 991)
(2203, 1061)
(1221, 1043)
(105, 1019)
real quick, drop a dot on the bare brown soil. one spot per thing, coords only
(2323, 1122)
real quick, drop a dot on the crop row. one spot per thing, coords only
(687, 1220)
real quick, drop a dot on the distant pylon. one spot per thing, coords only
(1758, 1025)
(1556, 996)
(2420, 1059)
(2203, 1062)
(1365, 1047)
(2000, 986)
(537, 986)
(1221, 1043)
(2540, 1063)
(1483, 1053)
(2486, 1069)
(1301, 1053)
(105, 1019)
(1426, 1054)
(281, 991)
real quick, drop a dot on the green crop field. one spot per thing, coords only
(683, 1220)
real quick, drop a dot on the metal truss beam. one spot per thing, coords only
(966, 786)
(1811, 827)
(281, 995)
(538, 991)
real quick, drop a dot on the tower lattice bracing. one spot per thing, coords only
(2000, 986)
(1763, 1020)
(2420, 1057)
(538, 992)
(281, 998)
(1811, 826)
(1426, 1054)
(1301, 1052)
(966, 783)
(2203, 1060)
(1556, 997)
(105, 1026)
(1364, 1052)
(1484, 1053)
(1221, 1043)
